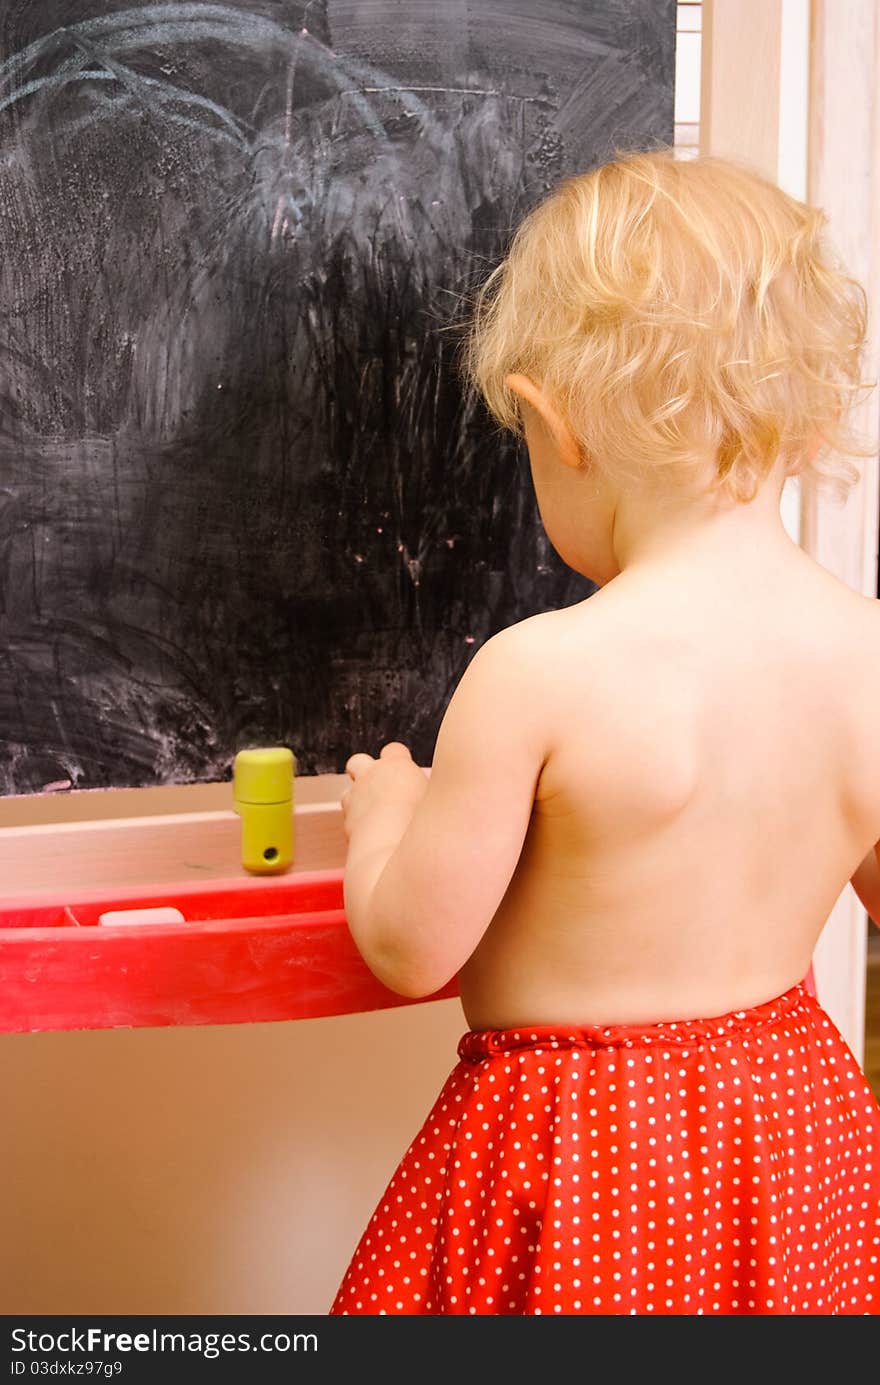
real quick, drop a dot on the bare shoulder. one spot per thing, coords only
(541, 644)
(866, 675)
(869, 610)
(853, 624)
(857, 612)
(845, 635)
(529, 671)
(515, 664)
(861, 637)
(571, 662)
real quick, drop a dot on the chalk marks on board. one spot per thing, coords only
(243, 499)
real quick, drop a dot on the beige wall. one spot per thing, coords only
(216, 1169)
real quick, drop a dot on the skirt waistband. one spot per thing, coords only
(478, 1044)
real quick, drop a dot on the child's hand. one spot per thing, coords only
(394, 779)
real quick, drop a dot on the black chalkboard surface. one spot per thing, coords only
(242, 498)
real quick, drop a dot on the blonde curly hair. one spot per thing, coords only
(675, 311)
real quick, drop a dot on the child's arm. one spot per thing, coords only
(429, 860)
(866, 883)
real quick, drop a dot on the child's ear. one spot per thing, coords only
(529, 393)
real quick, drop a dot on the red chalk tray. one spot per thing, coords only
(275, 948)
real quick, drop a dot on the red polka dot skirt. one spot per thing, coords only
(727, 1166)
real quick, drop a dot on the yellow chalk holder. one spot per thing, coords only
(262, 789)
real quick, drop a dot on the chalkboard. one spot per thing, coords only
(243, 497)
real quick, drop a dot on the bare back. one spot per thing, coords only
(712, 785)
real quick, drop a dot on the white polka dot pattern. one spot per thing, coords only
(726, 1166)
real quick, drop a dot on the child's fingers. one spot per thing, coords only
(357, 764)
(394, 750)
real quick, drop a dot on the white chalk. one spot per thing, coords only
(161, 914)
